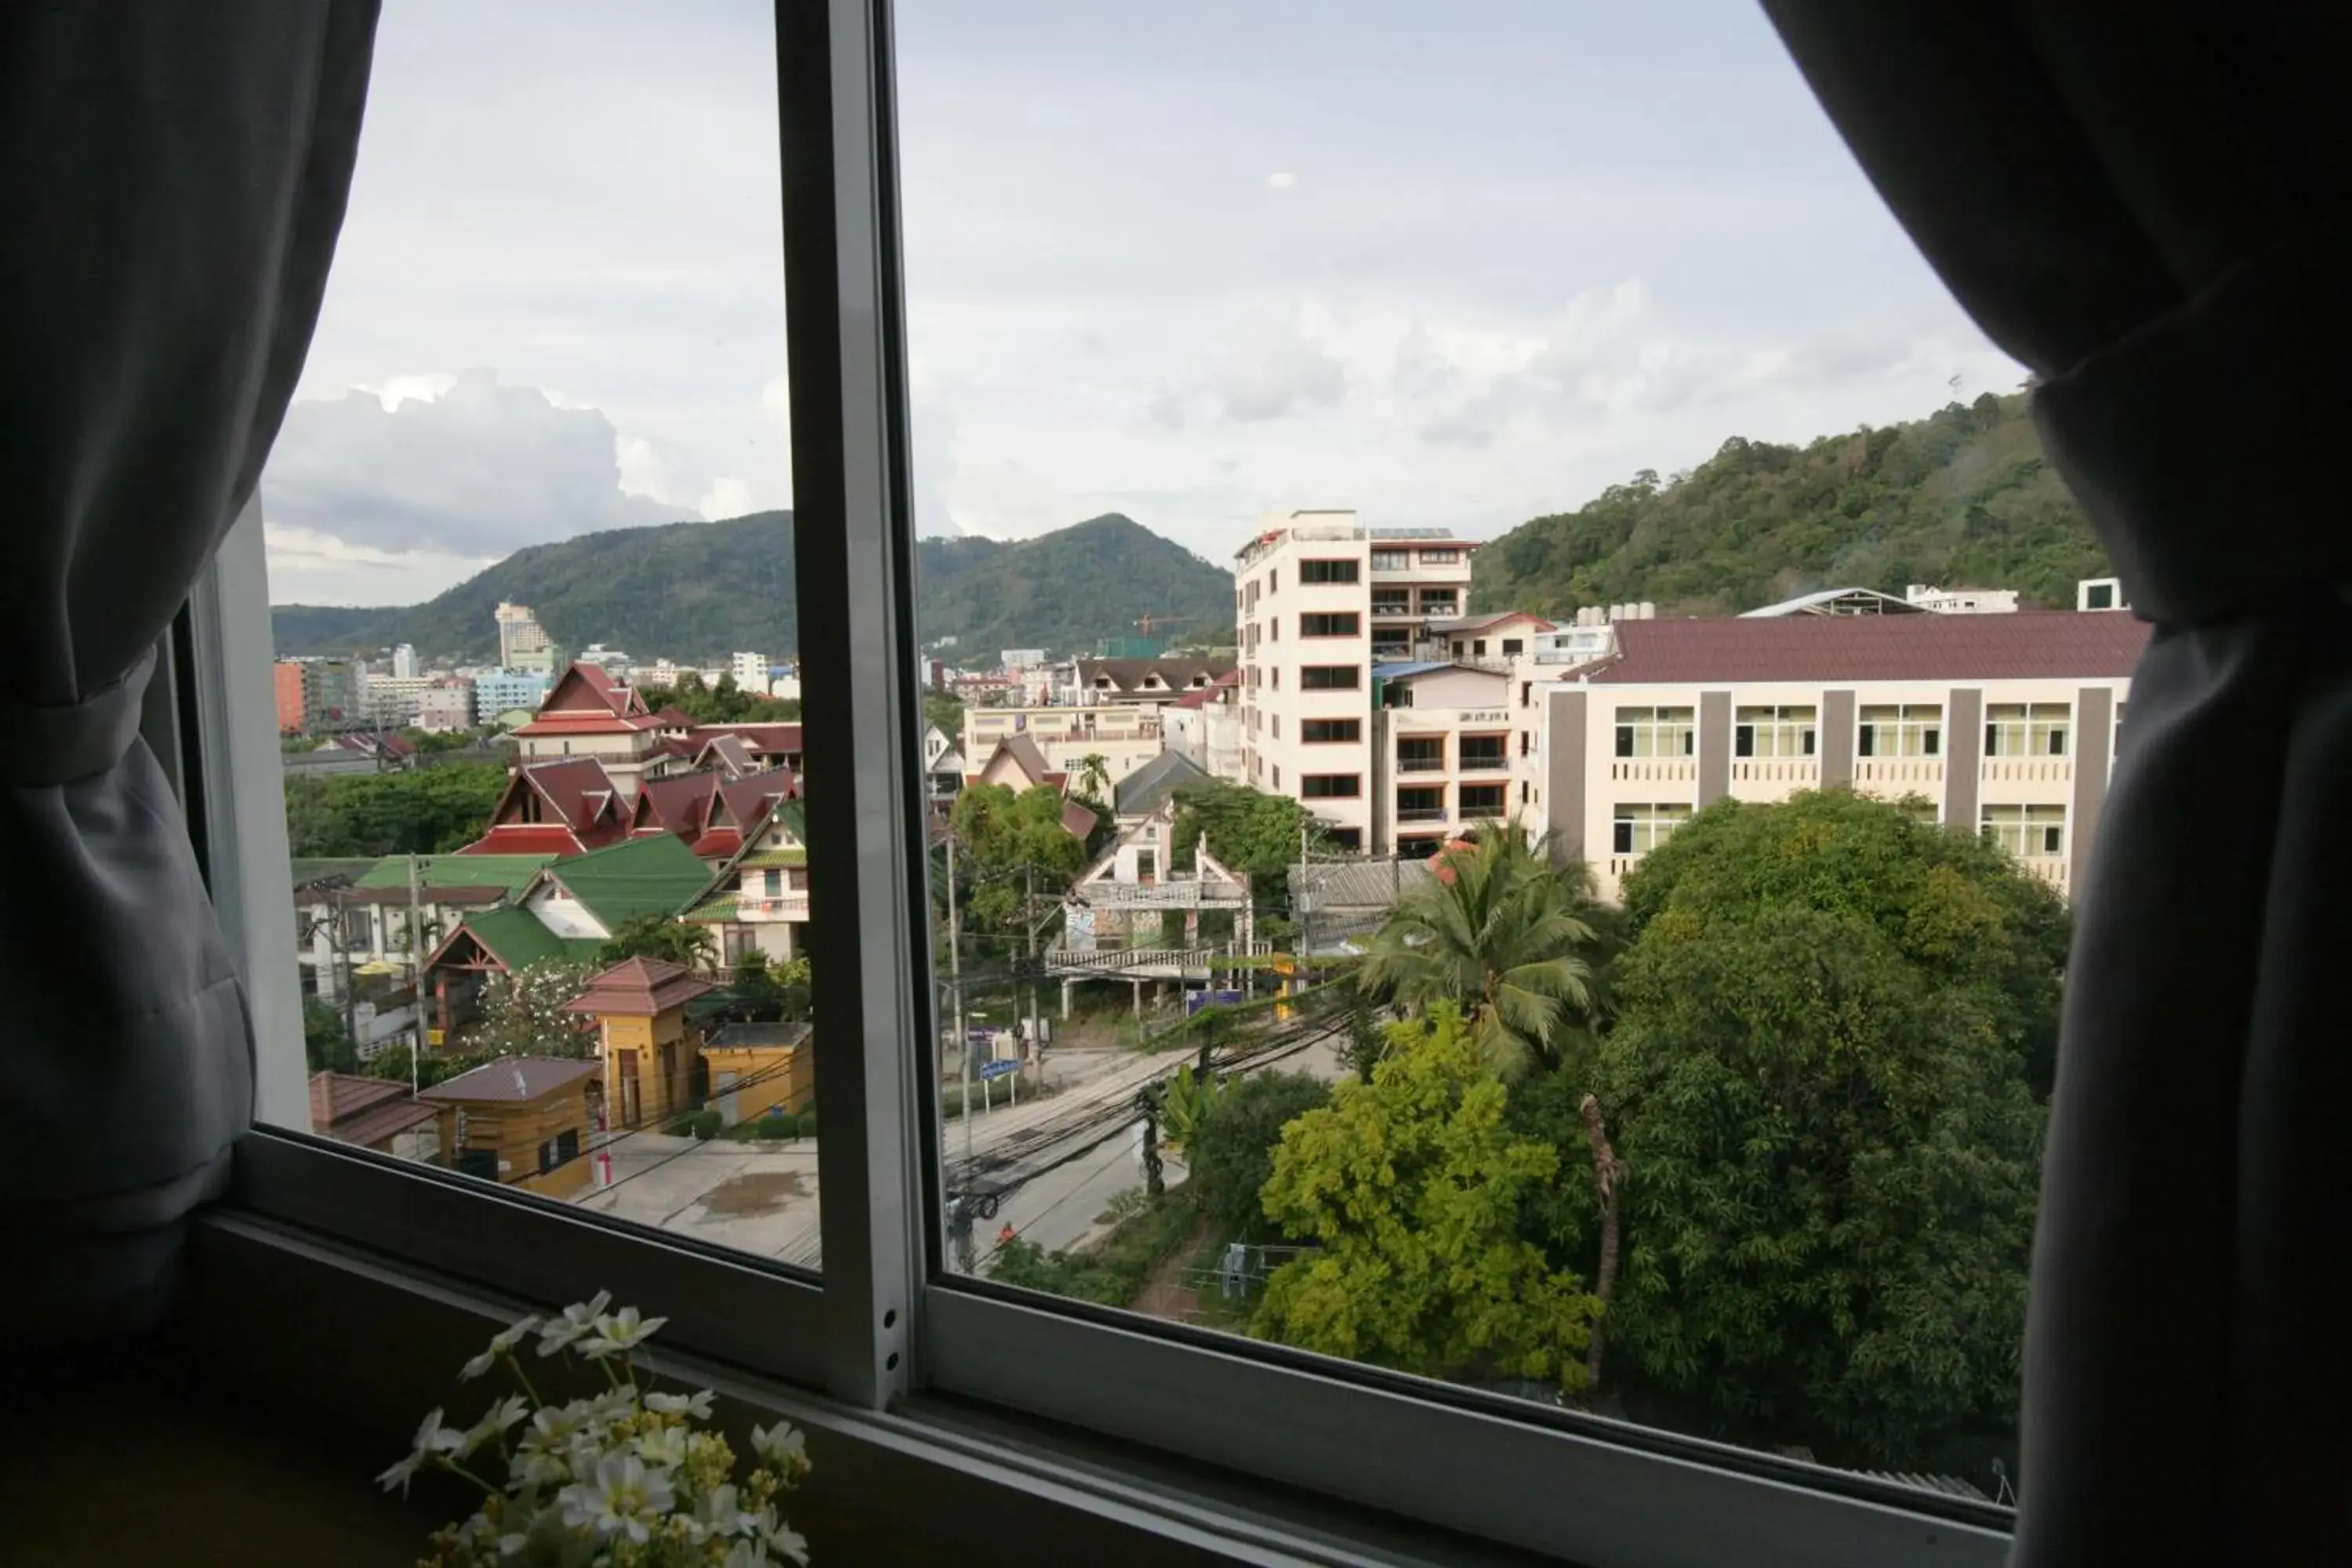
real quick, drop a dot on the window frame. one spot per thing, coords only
(1315, 571)
(1631, 723)
(1783, 719)
(1916, 732)
(1334, 623)
(884, 1320)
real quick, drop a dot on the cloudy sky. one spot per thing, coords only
(1448, 264)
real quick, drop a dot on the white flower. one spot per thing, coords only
(716, 1514)
(779, 1445)
(781, 1537)
(620, 1333)
(577, 1320)
(695, 1406)
(432, 1438)
(501, 1343)
(538, 1467)
(748, 1554)
(664, 1449)
(400, 1474)
(506, 1413)
(620, 1499)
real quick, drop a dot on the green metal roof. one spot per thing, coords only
(655, 875)
(718, 907)
(512, 872)
(794, 815)
(760, 858)
(318, 868)
(515, 939)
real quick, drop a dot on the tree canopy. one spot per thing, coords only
(1962, 496)
(1231, 1152)
(1409, 1187)
(1254, 833)
(659, 936)
(1503, 934)
(1004, 837)
(523, 1016)
(723, 702)
(1822, 1082)
(423, 811)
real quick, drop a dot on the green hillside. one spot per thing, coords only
(1962, 497)
(699, 590)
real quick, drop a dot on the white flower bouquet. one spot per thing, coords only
(624, 1480)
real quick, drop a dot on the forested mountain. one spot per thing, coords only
(1962, 497)
(699, 590)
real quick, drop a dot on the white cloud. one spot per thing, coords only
(1267, 367)
(1281, 181)
(728, 497)
(480, 469)
(394, 390)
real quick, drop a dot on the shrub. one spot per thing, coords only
(808, 1122)
(776, 1125)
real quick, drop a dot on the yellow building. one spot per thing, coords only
(757, 1070)
(519, 1120)
(648, 1059)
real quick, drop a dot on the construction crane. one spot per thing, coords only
(1143, 622)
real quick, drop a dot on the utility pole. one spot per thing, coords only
(955, 984)
(1305, 903)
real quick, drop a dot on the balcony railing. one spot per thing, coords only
(1776, 770)
(782, 907)
(2027, 769)
(1478, 762)
(1898, 770)
(1655, 770)
(1421, 765)
(1391, 611)
(1420, 814)
(2050, 868)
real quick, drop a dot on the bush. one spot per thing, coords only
(808, 1122)
(776, 1126)
(1231, 1154)
(703, 1124)
(1110, 1274)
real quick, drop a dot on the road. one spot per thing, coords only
(1055, 1162)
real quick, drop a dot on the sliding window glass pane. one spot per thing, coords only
(1499, 354)
(531, 561)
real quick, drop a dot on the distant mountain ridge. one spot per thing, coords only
(1963, 496)
(700, 590)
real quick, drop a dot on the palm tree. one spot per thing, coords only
(1501, 932)
(1093, 775)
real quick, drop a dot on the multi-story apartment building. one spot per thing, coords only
(447, 705)
(331, 696)
(403, 661)
(523, 641)
(291, 720)
(2002, 724)
(1125, 737)
(389, 701)
(497, 691)
(750, 671)
(1318, 598)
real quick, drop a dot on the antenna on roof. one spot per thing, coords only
(522, 1085)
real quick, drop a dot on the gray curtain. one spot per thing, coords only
(2146, 203)
(171, 181)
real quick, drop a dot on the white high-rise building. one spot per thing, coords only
(403, 662)
(1318, 601)
(520, 632)
(750, 671)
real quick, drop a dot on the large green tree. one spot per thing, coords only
(1823, 1085)
(1409, 1187)
(523, 1016)
(425, 811)
(1254, 833)
(1007, 843)
(661, 937)
(1504, 934)
(1232, 1153)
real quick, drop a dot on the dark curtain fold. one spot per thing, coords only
(171, 181)
(2146, 203)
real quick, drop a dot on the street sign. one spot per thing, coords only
(998, 1069)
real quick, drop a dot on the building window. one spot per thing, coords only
(567, 1145)
(1514, 647)
(1277, 726)
(1901, 730)
(1330, 787)
(1351, 839)
(2027, 729)
(1481, 751)
(1147, 865)
(1424, 805)
(1416, 848)
(1327, 677)
(2028, 832)
(1440, 601)
(1441, 558)
(1391, 601)
(1274, 629)
(547, 1157)
(1327, 572)
(1277, 775)
(1477, 648)
(1421, 753)
(1323, 732)
(1656, 732)
(1273, 579)
(1638, 829)
(1782, 731)
(1392, 642)
(1391, 560)
(1341, 624)
(1482, 800)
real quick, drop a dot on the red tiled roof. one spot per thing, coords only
(586, 687)
(1077, 821)
(363, 1110)
(772, 738)
(677, 805)
(671, 719)
(526, 838)
(575, 723)
(2026, 646)
(639, 988)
